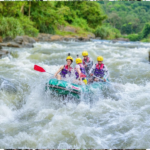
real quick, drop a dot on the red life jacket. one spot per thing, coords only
(99, 66)
(65, 71)
(88, 59)
(66, 67)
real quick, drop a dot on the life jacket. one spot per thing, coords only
(99, 70)
(87, 60)
(66, 71)
(82, 70)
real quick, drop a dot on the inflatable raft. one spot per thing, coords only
(65, 88)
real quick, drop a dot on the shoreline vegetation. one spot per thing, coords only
(56, 21)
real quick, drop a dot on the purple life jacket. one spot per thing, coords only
(66, 71)
(99, 71)
(82, 71)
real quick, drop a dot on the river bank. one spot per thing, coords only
(27, 42)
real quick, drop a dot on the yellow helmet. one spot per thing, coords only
(69, 57)
(99, 58)
(84, 53)
(78, 60)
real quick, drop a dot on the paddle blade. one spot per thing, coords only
(38, 68)
(82, 75)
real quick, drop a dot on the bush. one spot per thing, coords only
(133, 37)
(146, 30)
(82, 23)
(10, 26)
(116, 32)
(107, 32)
(47, 29)
(28, 26)
(146, 39)
(101, 32)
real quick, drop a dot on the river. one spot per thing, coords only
(33, 118)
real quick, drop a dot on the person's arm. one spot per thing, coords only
(78, 71)
(91, 70)
(106, 73)
(59, 70)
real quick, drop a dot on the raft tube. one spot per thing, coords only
(64, 88)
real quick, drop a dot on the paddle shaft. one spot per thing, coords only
(99, 78)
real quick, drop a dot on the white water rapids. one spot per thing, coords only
(119, 118)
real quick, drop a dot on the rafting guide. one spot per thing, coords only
(99, 71)
(87, 62)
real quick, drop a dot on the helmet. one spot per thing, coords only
(69, 57)
(99, 58)
(78, 60)
(84, 53)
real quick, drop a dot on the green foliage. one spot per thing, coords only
(107, 32)
(102, 32)
(128, 17)
(82, 23)
(10, 26)
(28, 26)
(127, 28)
(89, 11)
(133, 37)
(144, 35)
(47, 29)
(34, 17)
(146, 30)
(146, 39)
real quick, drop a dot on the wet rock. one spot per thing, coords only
(83, 39)
(7, 86)
(22, 39)
(27, 45)
(36, 39)
(98, 38)
(69, 29)
(4, 44)
(8, 39)
(56, 38)
(44, 37)
(13, 44)
(120, 39)
(91, 35)
(68, 38)
(1, 40)
(3, 52)
(19, 39)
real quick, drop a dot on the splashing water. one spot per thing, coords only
(119, 116)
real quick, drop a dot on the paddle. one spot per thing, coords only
(40, 69)
(102, 80)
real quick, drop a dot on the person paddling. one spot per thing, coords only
(99, 71)
(87, 62)
(80, 70)
(65, 69)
